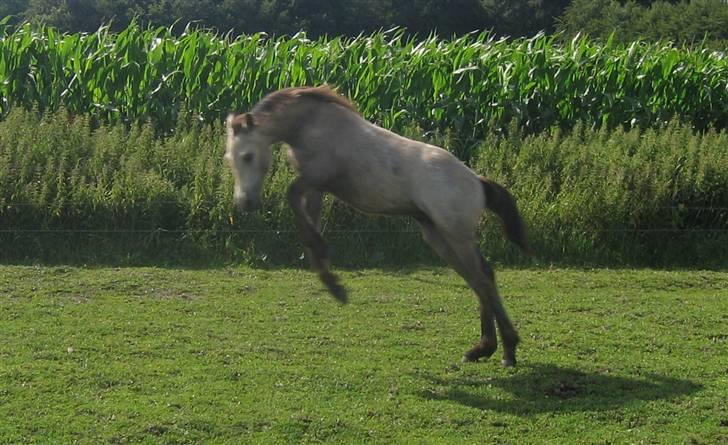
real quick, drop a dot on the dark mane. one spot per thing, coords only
(280, 98)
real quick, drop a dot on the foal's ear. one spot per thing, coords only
(240, 123)
(249, 121)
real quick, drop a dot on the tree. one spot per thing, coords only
(594, 17)
(72, 14)
(679, 22)
(316, 17)
(523, 18)
(12, 7)
(446, 17)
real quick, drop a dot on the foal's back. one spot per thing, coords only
(378, 171)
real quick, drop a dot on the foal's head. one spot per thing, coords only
(247, 151)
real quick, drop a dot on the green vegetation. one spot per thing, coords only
(113, 141)
(248, 355)
(683, 23)
(469, 86)
(600, 197)
(281, 17)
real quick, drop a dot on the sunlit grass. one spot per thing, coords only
(132, 355)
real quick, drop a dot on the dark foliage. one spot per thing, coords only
(316, 17)
(684, 23)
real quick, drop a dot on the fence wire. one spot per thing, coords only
(331, 232)
(214, 203)
(720, 211)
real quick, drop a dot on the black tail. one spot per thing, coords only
(501, 202)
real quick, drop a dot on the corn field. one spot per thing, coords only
(467, 86)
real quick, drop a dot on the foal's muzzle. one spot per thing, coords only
(246, 203)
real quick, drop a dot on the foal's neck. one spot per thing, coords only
(286, 123)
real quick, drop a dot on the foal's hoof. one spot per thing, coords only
(468, 359)
(477, 353)
(335, 289)
(509, 359)
(339, 292)
(480, 350)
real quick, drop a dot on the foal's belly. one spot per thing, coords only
(372, 197)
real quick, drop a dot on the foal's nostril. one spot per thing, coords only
(241, 204)
(253, 204)
(247, 204)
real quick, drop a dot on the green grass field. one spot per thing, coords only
(240, 355)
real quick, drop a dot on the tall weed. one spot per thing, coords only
(588, 196)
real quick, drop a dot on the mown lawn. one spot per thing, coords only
(239, 355)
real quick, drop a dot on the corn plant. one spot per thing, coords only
(468, 86)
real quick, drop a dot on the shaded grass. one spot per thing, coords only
(232, 355)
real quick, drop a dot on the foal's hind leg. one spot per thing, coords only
(306, 204)
(508, 332)
(488, 341)
(482, 279)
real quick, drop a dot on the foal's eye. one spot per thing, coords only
(248, 158)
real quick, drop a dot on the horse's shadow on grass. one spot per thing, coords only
(542, 388)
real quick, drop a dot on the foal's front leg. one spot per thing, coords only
(306, 204)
